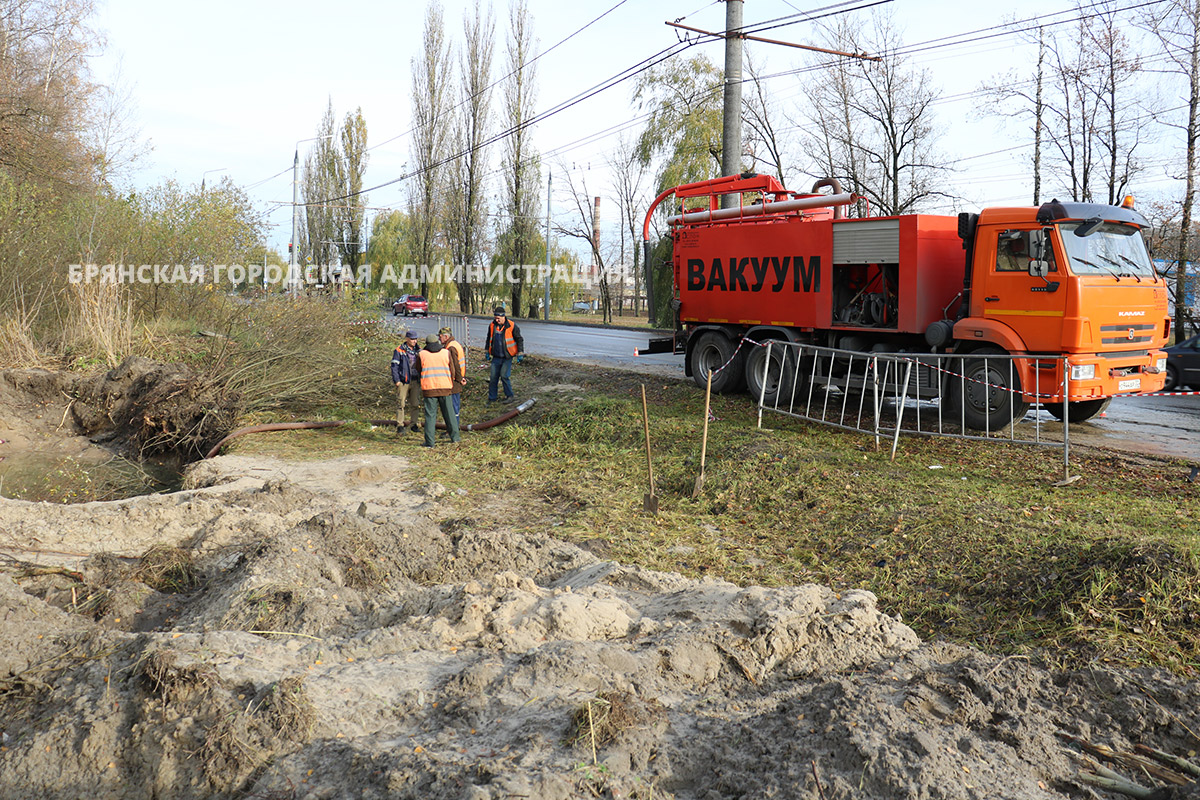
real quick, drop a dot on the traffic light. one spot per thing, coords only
(289, 248)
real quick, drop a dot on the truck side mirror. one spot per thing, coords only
(1039, 266)
(1039, 263)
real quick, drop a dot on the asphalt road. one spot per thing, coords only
(609, 347)
(1161, 426)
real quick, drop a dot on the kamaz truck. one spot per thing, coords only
(1063, 279)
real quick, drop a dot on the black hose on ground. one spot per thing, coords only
(295, 426)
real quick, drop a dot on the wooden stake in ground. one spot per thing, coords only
(704, 440)
(649, 501)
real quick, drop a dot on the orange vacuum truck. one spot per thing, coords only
(1062, 279)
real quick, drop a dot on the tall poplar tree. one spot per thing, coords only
(466, 218)
(431, 81)
(522, 165)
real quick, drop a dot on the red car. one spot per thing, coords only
(410, 305)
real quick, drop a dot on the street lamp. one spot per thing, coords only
(292, 278)
(208, 172)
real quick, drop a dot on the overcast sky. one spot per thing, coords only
(227, 88)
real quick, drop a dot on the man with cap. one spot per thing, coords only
(439, 372)
(446, 337)
(408, 385)
(504, 343)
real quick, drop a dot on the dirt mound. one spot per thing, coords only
(141, 407)
(329, 630)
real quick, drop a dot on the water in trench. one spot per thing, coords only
(56, 477)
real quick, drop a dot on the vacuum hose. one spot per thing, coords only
(295, 426)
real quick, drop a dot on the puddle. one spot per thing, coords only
(82, 477)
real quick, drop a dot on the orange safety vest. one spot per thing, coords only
(435, 370)
(510, 344)
(460, 352)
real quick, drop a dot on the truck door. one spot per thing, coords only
(1029, 304)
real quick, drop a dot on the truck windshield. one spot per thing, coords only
(1111, 249)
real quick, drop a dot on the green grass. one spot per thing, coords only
(985, 550)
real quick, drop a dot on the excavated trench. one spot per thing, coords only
(128, 431)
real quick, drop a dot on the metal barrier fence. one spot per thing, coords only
(965, 396)
(459, 325)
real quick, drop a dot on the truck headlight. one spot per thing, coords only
(1083, 372)
(1161, 364)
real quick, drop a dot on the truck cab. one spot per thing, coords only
(1072, 279)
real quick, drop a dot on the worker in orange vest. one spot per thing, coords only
(446, 337)
(439, 372)
(503, 345)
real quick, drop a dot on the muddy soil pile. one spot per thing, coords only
(336, 629)
(140, 407)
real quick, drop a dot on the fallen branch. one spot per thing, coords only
(1181, 765)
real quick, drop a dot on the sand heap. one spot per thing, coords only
(328, 630)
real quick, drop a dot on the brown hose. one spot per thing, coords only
(294, 426)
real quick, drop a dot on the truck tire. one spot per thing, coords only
(780, 376)
(992, 395)
(714, 350)
(1080, 410)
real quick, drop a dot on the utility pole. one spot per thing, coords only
(546, 298)
(731, 123)
(292, 281)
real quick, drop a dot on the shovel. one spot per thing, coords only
(704, 440)
(649, 501)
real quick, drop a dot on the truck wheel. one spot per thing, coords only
(780, 376)
(992, 395)
(714, 350)
(1081, 410)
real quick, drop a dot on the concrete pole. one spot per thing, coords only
(546, 298)
(295, 213)
(731, 128)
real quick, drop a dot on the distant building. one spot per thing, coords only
(1191, 289)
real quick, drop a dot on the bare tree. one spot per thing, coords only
(762, 117)
(430, 112)
(1177, 27)
(1087, 105)
(874, 123)
(521, 163)
(585, 225)
(628, 185)
(466, 220)
(44, 90)
(1119, 94)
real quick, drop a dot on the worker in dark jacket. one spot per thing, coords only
(408, 385)
(503, 345)
(439, 372)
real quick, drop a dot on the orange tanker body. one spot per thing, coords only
(1064, 279)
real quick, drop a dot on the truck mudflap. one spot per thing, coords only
(666, 344)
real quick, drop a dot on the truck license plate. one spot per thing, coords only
(1129, 385)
